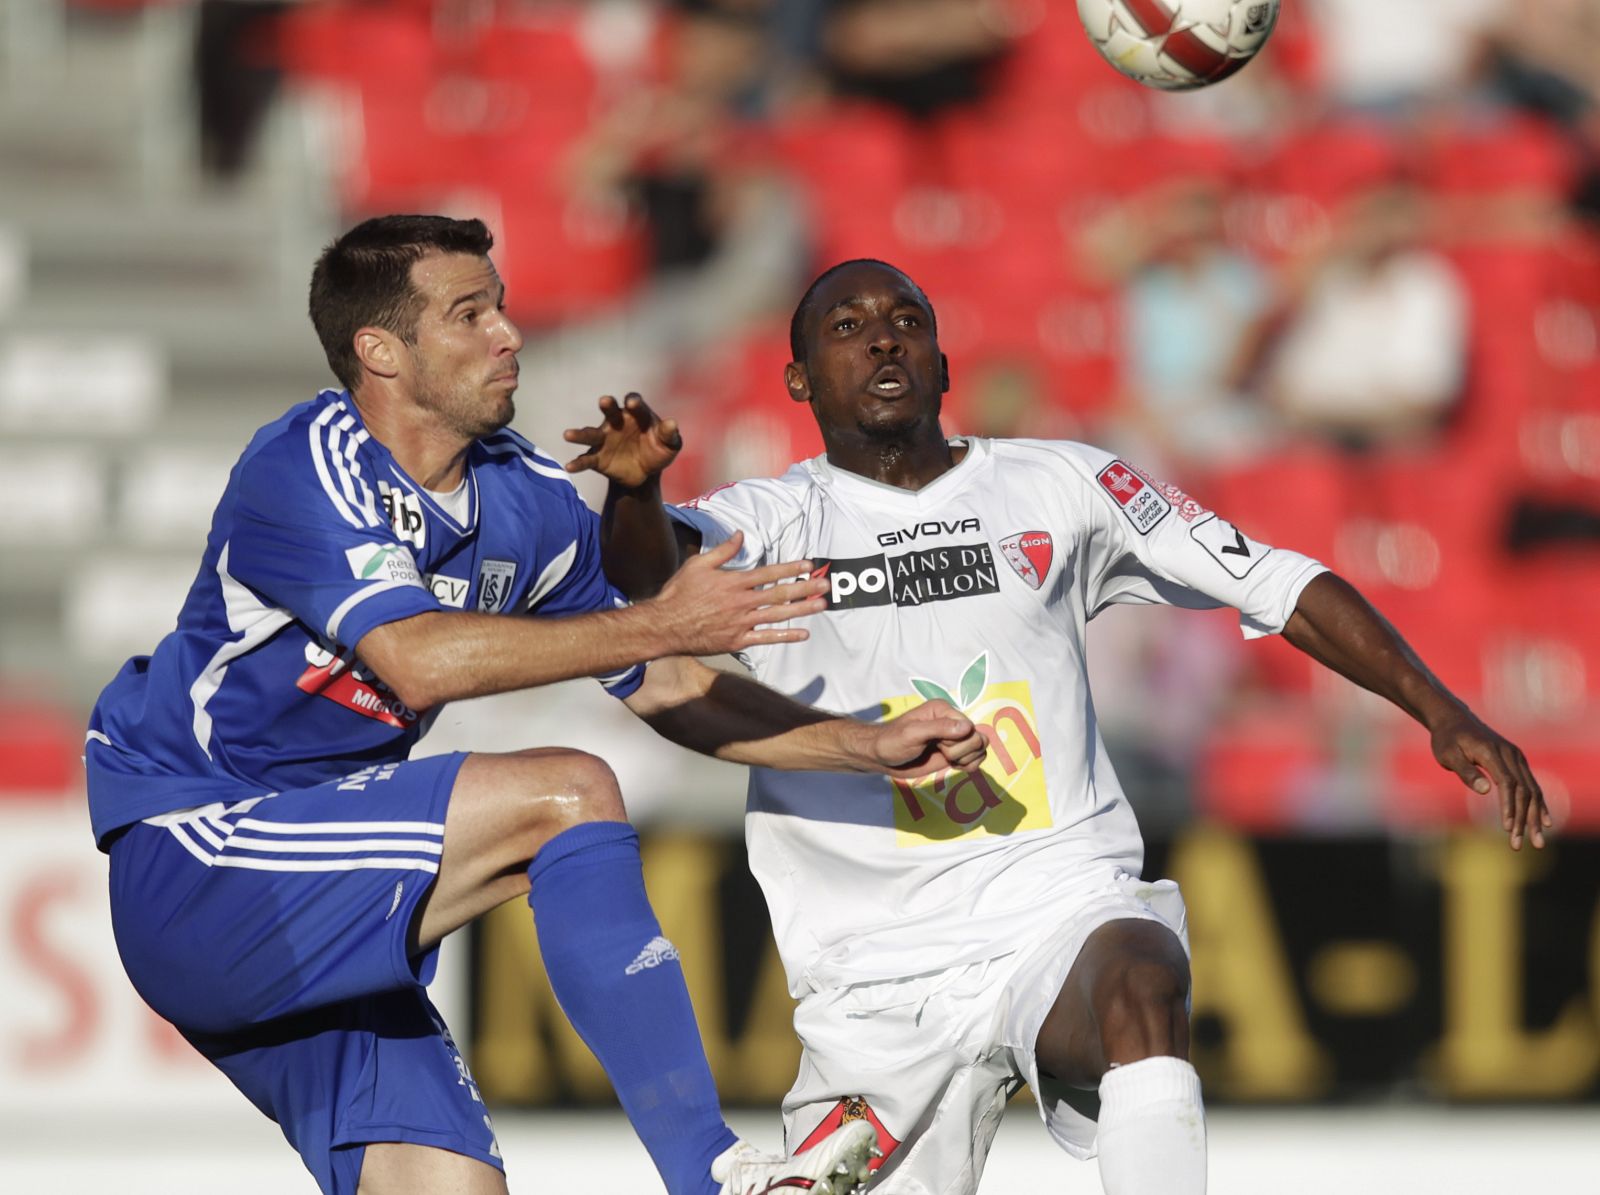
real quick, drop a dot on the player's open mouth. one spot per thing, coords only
(890, 382)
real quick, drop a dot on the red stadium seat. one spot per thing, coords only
(1027, 164)
(853, 162)
(1545, 655)
(357, 44)
(546, 57)
(563, 255)
(1298, 497)
(1517, 153)
(1052, 65)
(1266, 772)
(750, 425)
(1331, 161)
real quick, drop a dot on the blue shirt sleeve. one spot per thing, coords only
(307, 536)
(581, 587)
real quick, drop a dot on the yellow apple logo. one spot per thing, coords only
(1006, 795)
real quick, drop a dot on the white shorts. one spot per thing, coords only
(932, 1059)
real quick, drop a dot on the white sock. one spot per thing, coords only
(1152, 1138)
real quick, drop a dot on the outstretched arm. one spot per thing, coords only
(1335, 625)
(734, 718)
(441, 656)
(640, 546)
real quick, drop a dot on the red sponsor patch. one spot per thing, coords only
(1121, 482)
(1141, 501)
(1030, 554)
(853, 1107)
(336, 682)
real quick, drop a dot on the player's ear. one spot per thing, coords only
(798, 381)
(944, 374)
(378, 352)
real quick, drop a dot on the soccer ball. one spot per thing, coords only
(1178, 45)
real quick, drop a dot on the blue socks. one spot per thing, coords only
(619, 982)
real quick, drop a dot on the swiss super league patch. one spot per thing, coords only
(1140, 501)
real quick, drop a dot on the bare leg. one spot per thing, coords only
(1120, 1021)
(550, 825)
(400, 1168)
(1122, 1001)
(502, 810)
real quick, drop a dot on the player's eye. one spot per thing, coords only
(910, 321)
(844, 325)
(469, 316)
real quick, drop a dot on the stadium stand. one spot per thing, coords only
(1464, 541)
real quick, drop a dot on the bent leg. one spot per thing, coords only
(275, 933)
(503, 810)
(1124, 1000)
(550, 824)
(1121, 1020)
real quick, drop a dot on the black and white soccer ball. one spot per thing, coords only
(1178, 45)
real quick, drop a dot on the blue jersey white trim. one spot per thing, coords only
(259, 688)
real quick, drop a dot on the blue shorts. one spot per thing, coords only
(274, 933)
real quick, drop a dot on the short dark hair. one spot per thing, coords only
(363, 280)
(797, 322)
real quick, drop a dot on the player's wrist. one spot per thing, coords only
(1435, 707)
(866, 748)
(648, 490)
(648, 629)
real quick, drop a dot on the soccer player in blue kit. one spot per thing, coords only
(281, 874)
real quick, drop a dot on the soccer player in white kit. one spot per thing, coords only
(950, 938)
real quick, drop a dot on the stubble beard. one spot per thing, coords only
(461, 410)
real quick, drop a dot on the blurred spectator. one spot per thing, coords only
(1544, 58)
(1374, 348)
(1194, 317)
(235, 80)
(1006, 395)
(1393, 55)
(671, 144)
(919, 55)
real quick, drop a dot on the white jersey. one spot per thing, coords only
(977, 589)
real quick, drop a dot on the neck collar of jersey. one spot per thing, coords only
(951, 481)
(424, 495)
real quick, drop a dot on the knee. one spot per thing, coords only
(568, 788)
(1141, 1008)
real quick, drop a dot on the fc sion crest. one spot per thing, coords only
(1030, 554)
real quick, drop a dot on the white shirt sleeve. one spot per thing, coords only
(760, 508)
(1150, 543)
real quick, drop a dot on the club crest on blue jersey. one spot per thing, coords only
(495, 580)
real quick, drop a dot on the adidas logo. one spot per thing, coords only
(659, 951)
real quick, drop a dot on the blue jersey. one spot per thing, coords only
(319, 538)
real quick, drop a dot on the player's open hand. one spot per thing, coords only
(927, 739)
(706, 610)
(1487, 762)
(629, 445)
